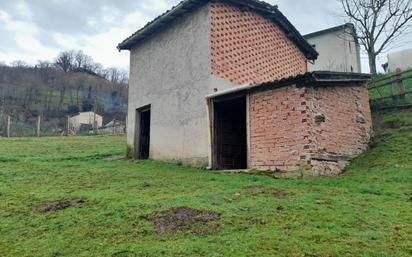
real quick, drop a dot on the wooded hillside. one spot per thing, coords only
(54, 90)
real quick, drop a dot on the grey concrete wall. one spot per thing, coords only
(172, 72)
(337, 52)
(400, 60)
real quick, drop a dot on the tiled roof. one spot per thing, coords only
(186, 6)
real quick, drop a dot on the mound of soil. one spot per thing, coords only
(185, 219)
(54, 206)
(273, 192)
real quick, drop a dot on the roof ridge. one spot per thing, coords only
(271, 11)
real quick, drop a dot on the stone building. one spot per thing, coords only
(338, 49)
(224, 84)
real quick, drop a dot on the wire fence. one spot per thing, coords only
(42, 126)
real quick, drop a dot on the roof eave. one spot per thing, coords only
(271, 11)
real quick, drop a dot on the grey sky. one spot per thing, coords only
(34, 30)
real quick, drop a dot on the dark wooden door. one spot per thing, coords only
(144, 138)
(231, 134)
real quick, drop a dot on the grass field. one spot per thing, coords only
(58, 197)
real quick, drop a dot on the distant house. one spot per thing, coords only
(113, 127)
(224, 84)
(338, 49)
(399, 60)
(85, 121)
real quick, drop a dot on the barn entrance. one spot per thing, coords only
(230, 134)
(143, 134)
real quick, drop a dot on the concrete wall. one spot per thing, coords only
(172, 73)
(401, 60)
(315, 130)
(337, 52)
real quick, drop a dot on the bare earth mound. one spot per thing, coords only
(54, 206)
(185, 219)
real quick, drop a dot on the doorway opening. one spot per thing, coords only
(230, 134)
(143, 134)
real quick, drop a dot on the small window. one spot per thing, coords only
(350, 47)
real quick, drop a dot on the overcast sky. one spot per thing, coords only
(33, 30)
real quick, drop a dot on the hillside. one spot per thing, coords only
(70, 193)
(27, 92)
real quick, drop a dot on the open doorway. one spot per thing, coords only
(230, 134)
(143, 133)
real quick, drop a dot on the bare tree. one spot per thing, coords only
(379, 23)
(83, 61)
(19, 64)
(65, 61)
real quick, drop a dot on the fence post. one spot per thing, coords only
(114, 126)
(8, 126)
(399, 81)
(38, 126)
(68, 125)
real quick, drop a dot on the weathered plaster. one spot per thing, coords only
(172, 73)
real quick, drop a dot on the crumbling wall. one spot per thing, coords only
(314, 130)
(341, 125)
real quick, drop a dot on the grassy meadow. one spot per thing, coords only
(61, 197)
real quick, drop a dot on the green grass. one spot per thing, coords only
(366, 212)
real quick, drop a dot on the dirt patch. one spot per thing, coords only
(54, 206)
(185, 219)
(273, 192)
(114, 158)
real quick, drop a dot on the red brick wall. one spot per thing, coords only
(348, 122)
(285, 134)
(248, 48)
(279, 130)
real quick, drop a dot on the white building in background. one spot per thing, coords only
(338, 49)
(399, 60)
(86, 120)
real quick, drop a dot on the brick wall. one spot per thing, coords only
(291, 127)
(279, 131)
(348, 122)
(249, 48)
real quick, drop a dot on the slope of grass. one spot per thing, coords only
(366, 212)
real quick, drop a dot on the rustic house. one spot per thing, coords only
(338, 48)
(84, 121)
(224, 84)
